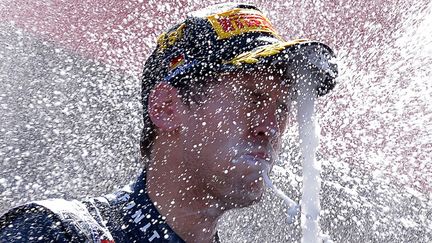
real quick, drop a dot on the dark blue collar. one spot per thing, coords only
(142, 222)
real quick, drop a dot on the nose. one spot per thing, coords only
(266, 128)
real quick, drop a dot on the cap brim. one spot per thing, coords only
(312, 53)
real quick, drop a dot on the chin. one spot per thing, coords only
(251, 201)
(245, 198)
(247, 203)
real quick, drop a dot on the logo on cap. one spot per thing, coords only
(176, 61)
(166, 40)
(238, 21)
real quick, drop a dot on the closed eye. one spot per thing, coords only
(283, 108)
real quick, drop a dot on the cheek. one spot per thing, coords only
(229, 117)
(224, 131)
(219, 121)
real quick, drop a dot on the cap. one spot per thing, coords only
(228, 37)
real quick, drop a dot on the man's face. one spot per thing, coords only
(234, 135)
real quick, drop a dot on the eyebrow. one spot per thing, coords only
(259, 93)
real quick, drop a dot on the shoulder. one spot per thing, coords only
(32, 223)
(51, 220)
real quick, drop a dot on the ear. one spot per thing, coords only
(164, 107)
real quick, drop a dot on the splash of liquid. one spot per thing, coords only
(308, 76)
(309, 140)
(293, 207)
(308, 69)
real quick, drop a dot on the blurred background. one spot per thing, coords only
(70, 112)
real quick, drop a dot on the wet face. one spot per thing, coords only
(234, 135)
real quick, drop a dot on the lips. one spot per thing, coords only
(249, 169)
(254, 165)
(255, 161)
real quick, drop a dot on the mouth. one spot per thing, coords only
(250, 167)
(256, 163)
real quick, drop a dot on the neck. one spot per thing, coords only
(189, 210)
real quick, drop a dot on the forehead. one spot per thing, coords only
(259, 79)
